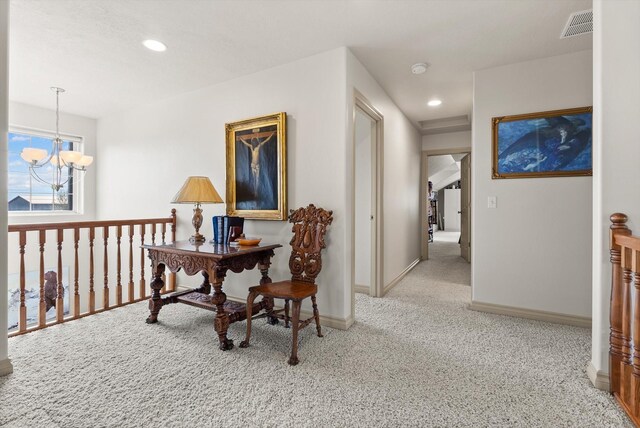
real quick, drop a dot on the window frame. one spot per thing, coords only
(78, 182)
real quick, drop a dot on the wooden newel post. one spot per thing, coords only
(635, 268)
(628, 299)
(619, 343)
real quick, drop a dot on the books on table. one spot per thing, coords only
(221, 226)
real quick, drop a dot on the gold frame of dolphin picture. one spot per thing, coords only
(495, 125)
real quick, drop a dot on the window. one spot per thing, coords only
(26, 193)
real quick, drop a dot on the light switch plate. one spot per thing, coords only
(492, 202)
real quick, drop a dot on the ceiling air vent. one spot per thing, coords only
(578, 23)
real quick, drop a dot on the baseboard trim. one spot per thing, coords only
(362, 289)
(337, 323)
(6, 367)
(347, 323)
(397, 280)
(598, 378)
(533, 314)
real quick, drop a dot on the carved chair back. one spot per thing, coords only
(309, 227)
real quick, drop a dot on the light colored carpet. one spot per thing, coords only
(417, 358)
(445, 263)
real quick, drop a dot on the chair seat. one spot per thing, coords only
(293, 290)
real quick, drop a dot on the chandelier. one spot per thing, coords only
(58, 159)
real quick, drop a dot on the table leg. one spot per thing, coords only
(267, 302)
(221, 321)
(155, 304)
(205, 288)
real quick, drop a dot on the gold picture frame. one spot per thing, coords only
(257, 167)
(555, 143)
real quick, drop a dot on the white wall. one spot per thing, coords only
(616, 87)
(401, 173)
(365, 129)
(157, 146)
(5, 365)
(146, 153)
(534, 250)
(448, 140)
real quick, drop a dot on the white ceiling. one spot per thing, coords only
(444, 169)
(93, 48)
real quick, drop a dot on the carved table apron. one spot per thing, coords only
(213, 261)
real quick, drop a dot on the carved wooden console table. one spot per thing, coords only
(213, 261)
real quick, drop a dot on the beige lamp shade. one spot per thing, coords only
(197, 190)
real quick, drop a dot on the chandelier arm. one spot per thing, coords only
(57, 175)
(41, 163)
(35, 175)
(65, 181)
(77, 168)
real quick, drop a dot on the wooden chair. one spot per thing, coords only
(309, 227)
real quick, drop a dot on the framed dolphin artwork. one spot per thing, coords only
(257, 167)
(546, 144)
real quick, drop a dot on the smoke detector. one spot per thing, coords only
(578, 23)
(419, 68)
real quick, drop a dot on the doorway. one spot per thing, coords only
(446, 202)
(367, 202)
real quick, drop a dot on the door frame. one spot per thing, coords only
(424, 176)
(465, 246)
(377, 162)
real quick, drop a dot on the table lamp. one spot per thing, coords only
(197, 190)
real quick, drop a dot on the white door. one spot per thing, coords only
(452, 210)
(365, 138)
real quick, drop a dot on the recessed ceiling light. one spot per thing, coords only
(434, 103)
(155, 45)
(419, 68)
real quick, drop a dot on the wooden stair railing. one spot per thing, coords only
(79, 230)
(624, 338)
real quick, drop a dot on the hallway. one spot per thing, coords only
(445, 264)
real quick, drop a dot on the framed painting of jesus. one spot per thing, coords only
(257, 167)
